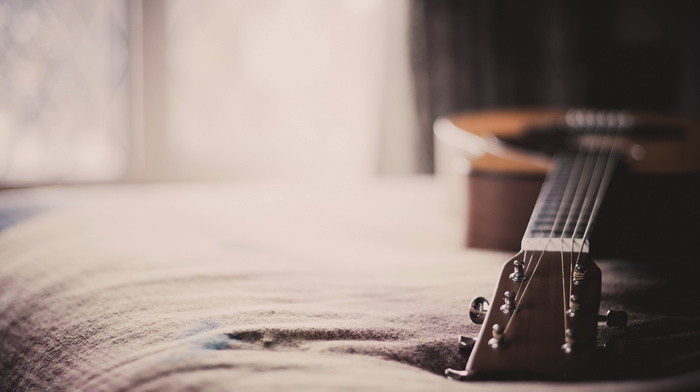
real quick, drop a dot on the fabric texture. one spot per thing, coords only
(281, 286)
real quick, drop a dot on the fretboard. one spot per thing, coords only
(569, 201)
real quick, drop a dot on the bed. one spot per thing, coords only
(275, 285)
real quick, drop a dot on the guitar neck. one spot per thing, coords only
(570, 199)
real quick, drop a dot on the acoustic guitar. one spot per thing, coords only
(632, 177)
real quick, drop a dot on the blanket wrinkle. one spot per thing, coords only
(294, 336)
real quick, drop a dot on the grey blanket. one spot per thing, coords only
(280, 287)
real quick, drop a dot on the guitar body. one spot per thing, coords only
(637, 177)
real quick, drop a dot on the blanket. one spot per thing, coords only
(272, 286)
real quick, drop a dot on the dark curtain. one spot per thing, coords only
(632, 54)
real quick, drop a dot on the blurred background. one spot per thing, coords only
(156, 90)
(182, 90)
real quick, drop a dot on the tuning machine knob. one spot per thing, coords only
(518, 274)
(478, 310)
(466, 345)
(458, 375)
(569, 341)
(497, 341)
(508, 302)
(614, 318)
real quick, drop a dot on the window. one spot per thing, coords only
(216, 89)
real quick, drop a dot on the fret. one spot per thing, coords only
(550, 218)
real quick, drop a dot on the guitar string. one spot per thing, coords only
(567, 191)
(519, 300)
(594, 192)
(588, 185)
(602, 182)
(527, 267)
(593, 185)
(563, 287)
(564, 202)
(555, 174)
(596, 189)
(576, 204)
(605, 180)
(573, 205)
(577, 209)
(539, 204)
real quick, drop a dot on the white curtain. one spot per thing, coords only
(287, 88)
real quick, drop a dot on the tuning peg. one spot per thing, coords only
(458, 375)
(569, 341)
(614, 318)
(574, 306)
(478, 310)
(518, 274)
(497, 341)
(508, 302)
(466, 345)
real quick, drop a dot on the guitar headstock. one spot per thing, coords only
(542, 322)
